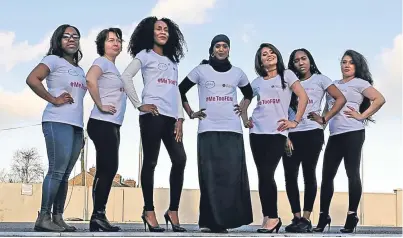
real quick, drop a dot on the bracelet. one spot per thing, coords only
(323, 120)
(296, 122)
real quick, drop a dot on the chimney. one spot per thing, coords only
(92, 171)
(130, 183)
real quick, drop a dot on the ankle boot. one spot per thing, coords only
(44, 223)
(100, 222)
(58, 220)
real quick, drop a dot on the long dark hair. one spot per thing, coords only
(143, 38)
(56, 43)
(312, 68)
(362, 72)
(259, 69)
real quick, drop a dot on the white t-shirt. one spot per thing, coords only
(160, 78)
(218, 95)
(65, 77)
(272, 103)
(111, 92)
(352, 91)
(315, 87)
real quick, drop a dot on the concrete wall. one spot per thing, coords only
(125, 205)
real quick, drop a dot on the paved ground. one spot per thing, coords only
(136, 229)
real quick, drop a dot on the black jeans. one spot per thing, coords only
(106, 138)
(267, 151)
(348, 146)
(153, 129)
(307, 146)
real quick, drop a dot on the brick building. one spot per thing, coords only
(118, 181)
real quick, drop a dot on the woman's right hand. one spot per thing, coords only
(149, 108)
(63, 99)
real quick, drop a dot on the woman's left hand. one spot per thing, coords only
(353, 114)
(286, 124)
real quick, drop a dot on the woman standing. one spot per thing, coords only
(269, 124)
(223, 179)
(62, 121)
(307, 138)
(156, 48)
(347, 135)
(106, 90)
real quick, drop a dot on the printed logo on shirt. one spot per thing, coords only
(227, 85)
(269, 101)
(78, 85)
(167, 81)
(162, 66)
(219, 99)
(276, 86)
(209, 84)
(73, 72)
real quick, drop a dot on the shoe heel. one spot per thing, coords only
(328, 228)
(145, 223)
(166, 221)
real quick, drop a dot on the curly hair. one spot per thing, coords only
(312, 68)
(143, 38)
(101, 38)
(259, 69)
(56, 43)
(362, 72)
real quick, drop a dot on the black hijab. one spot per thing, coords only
(218, 65)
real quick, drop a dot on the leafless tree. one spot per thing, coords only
(4, 178)
(27, 166)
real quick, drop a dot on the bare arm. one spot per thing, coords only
(340, 100)
(34, 81)
(377, 100)
(302, 99)
(92, 84)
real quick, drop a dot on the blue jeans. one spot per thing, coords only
(63, 144)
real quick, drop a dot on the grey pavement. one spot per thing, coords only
(23, 229)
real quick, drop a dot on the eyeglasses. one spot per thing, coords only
(67, 36)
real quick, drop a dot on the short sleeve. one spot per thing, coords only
(255, 87)
(194, 75)
(243, 81)
(50, 61)
(362, 85)
(102, 63)
(325, 82)
(143, 57)
(289, 77)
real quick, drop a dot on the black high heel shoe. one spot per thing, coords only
(277, 228)
(324, 220)
(175, 228)
(351, 223)
(150, 228)
(100, 222)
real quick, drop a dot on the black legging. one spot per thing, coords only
(154, 129)
(347, 145)
(307, 146)
(106, 138)
(267, 151)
